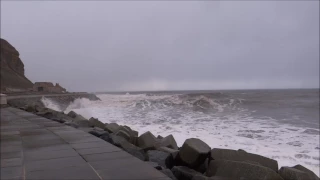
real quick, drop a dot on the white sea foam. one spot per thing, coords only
(287, 144)
(50, 104)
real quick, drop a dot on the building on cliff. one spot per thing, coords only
(12, 69)
(48, 87)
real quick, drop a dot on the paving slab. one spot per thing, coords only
(8, 155)
(89, 145)
(75, 173)
(13, 148)
(54, 163)
(98, 150)
(34, 147)
(11, 173)
(42, 155)
(106, 156)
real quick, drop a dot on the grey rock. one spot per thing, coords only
(72, 114)
(169, 174)
(168, 141)
(240, 170)
(311, 174)
(72, 124)
(59, 120)
(158, 157)
(98, 132)
(243, 156)
(184, 173)
(112, 127)
(93, 122)
(136, 152)
(290, 173)
(30, 108)
(194, 152)
(123, 134)
(172, 160)
(80, 118)
(202, 177)
(168, 150)
(125, 145)
(155, 165)
(82, 123)
(203, 167)
(147, 141)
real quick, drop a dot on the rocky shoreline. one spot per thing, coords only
(61, 101)
(195, 160)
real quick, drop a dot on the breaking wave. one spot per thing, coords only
(223, 120)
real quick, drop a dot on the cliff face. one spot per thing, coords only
(12, 69)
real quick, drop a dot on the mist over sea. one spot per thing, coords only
(279, 124)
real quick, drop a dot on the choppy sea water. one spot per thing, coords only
(279, 124)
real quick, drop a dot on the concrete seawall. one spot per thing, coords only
(63, 100)
(34, 147)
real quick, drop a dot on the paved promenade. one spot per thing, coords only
(34, 147)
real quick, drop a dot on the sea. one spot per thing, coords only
(279, 124)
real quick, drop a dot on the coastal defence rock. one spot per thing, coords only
(194, 152)
(240, 170)
(306, 170)
(12, 69)
(184, 173)
(72, 114)
(167, 141)
(169, 174)
(112, 127)
(158, 157)
(94, 122)
(147, 141)
(243, 156)
(125, 145)
(297, 173)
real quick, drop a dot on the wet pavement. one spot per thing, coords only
(34, 147)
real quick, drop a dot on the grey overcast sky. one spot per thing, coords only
(161, 45)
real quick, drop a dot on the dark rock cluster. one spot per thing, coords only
(195, 160)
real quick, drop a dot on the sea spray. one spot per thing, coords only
(49, 103)
(258, 122)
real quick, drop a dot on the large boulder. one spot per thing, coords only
(184, 173)
(172, 160)
(202, 177)
(126, 146)
(132, 132)
(154, 165)
(168, 150)
(291, 173)
(127, 133)
(158, 157)
(81, 122)
(169, 173)
(72, 124)
(98, 132)
(78, 117)
(111, 127)
(243, 156)
(72, 114)
(168, 141)
(147, 141)
(93, 122)
(194, 152)
(240, 170)
(30, 108)
(123, 134)
(306, 170)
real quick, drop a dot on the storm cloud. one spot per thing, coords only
(155, 45)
